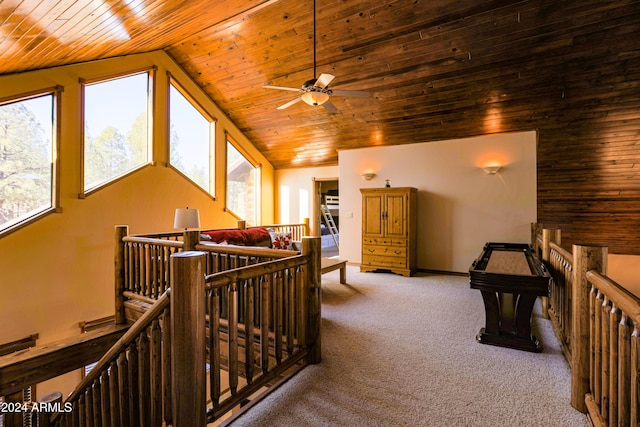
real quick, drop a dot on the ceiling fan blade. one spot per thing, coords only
(324, 80)
(358, 93)
(330, 107)
(289, 104)
(281, 88)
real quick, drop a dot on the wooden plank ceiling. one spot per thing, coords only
(436, 69)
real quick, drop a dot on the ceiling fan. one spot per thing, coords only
(316, 91)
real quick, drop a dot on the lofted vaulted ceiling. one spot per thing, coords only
(436, 69)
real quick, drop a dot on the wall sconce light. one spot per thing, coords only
(368, 176)
(491, 170)
(186, 218)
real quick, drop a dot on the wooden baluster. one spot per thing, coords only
(134, 390)
(592, 333)
(144, 270)
(233, 335)
(129, 266)
(291, 308)
(249, 319)
(88, 406)
(155, 287)
(166, 366)
(302, 304)
(548, 235)
(635, 376)
(82, 411)
(558, 288)
(139, 267)
(105, 401)
(278, 307)
(597, 339)
(156, 374)
(114, 395)
(265, 299)
(214, 346)
(144, 379)
(624, 369)
(606, 360)
(76, 412)
(567, 301)
(614, 322)
(123, 389)
(162, 267)
(97, 403)
(585, 258)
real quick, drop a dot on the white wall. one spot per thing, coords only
(294, 192)
(459, 207)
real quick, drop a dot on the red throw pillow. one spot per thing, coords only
(231, 237)
(257, 237)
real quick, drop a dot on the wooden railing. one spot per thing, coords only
(143, 268)
(298, 231)
(265, 331)
(255, 319)
(598, 324)
(560, 266)
(614, 356)
(260, 322)
(131, 383)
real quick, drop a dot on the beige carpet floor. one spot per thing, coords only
(402, 352)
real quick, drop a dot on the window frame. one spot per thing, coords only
(56, 93)
(213, 123)
(258, 169)
(151, 84)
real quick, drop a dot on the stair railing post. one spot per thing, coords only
(306, 229)
(190, 239)
(548, 235)
(121, 232)
(311, 246)
(585, 258)
(188, 358)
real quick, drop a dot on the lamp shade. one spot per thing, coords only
(315, 98)
(186, 218)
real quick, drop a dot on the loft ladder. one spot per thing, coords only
(330, 223)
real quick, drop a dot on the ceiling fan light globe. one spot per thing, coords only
(315, 98)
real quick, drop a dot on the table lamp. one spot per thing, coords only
(186, 218)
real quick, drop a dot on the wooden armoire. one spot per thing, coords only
(389, 229)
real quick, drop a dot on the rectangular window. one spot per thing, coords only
(27, 159)
(116, 128)
(191, 139)
(243, 185)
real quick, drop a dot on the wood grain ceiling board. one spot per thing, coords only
(437, 69)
